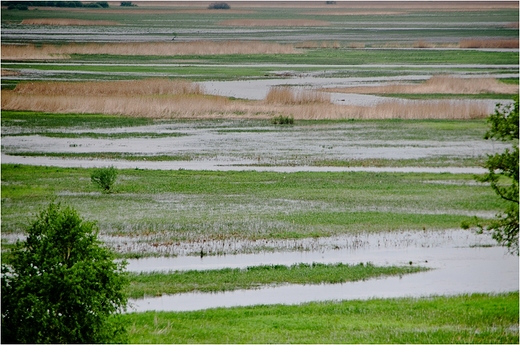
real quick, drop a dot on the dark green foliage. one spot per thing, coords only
(219, 6)
(282, 120)
(127, 4)
(104, 178)
(23, 5)
(62, 285)
(20, 7)
(503, 176)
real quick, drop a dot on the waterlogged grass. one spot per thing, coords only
(156, 284)
(93, 135)
(166, 207)
(36, 121)
(476, 318)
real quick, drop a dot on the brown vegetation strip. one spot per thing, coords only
(66, 22)
(437, 84)
(490, 43)
(274, 22)
(48, 51)
(181, 99)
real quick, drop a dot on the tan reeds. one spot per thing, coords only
(47, 51)
(479, 43)
(274, 22)
(158, 99)
(287, 95)
(422, 44)
(442, 84)
(67, 22)
(111, 88)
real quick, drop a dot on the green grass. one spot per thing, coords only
(157, 284)
(38, 121)
(210, 205)
(476, 318)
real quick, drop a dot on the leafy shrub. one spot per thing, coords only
(104, 178)
(127, 4)
(282, 120)
(62, 285)
(219, 6)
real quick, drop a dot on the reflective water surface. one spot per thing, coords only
(460, 262)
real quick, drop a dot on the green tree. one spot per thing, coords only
(503, 175)
(62, 285)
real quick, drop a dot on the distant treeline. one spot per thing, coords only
(25, 4)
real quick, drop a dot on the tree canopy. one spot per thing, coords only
(503, 175)
(62, 285)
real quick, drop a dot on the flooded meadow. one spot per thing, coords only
(207, 179)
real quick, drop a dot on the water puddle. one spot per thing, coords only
(461, 262)
(221, 165)
(477, 270)
(378, 248)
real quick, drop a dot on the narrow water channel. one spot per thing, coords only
(460, 263)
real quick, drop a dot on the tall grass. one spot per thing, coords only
(183, 99)
(274, 22)
(443, 84)
(286, 95)
(49, 51)
(489, 43)
(66, 22)
(112, 88)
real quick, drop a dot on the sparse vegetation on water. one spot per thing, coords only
(476, 318)
(156, 284)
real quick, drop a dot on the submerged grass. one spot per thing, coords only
(177, 212)
(156, 284)
(476, 318)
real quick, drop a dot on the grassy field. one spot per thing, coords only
(436, 320)
(157, 284)
(167, 207)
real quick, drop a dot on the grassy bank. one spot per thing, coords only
(157, 284)
(461, 319)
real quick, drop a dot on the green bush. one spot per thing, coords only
(282, 120)
(104, 178)
(219, 6)
(62, 285)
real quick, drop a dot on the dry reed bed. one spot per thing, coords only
(160, 99)
(111, 88)
(489, 43)
(67, 22)
(49, 51)
(274, 22)
(437, 84)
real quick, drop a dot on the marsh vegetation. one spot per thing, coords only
(87, 88)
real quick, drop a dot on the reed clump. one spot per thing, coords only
(67, 22)
(274, 22)
(287, 95)
(49, 51)
(112, 88)
(511, 43)
(441, 84)
(182, 99)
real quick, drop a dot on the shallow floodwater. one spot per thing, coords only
(460, 262)
(232, 145)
